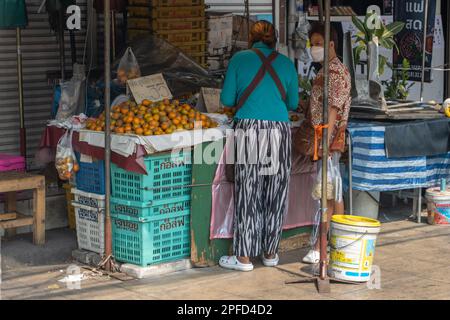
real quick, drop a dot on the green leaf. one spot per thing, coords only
(359, 24)
(357, 53)
(382, 60)
(395, 27)
(387, 43)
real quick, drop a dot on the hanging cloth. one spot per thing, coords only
(13, 14)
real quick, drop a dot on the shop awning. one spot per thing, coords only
(13, 14)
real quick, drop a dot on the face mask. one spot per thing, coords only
(317, 54)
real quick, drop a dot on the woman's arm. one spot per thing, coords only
(332, 116)
(228, 96)
(292, 91)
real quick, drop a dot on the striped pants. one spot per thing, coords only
(262, 172)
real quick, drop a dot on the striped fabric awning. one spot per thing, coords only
(373, 171)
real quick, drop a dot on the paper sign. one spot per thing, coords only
(153, 88)
(209, 99)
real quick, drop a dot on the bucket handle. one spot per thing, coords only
(348, 244)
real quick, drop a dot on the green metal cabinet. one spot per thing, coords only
(206, 252)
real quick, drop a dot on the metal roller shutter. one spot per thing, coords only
(257, 7)
(40, 54)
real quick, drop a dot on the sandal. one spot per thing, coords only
(232, 263)
(270, 262)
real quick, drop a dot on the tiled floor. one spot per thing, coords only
(414, 260)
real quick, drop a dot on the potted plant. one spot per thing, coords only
(372, 29)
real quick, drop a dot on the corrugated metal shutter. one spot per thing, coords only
(257, 7)
(40, 52)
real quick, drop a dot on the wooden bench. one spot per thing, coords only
(12, 182)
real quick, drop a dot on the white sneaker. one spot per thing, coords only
(312, 257)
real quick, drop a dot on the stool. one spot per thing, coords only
(10, 183)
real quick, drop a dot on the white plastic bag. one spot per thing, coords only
(65, 161)
(128, 67)
(70, 99)
(317, 190)
(336, 176)
(334, 181)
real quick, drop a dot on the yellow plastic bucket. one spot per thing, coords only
(352, 244)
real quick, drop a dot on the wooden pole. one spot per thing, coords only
(107, 35)
(324, 218)
(22, 133)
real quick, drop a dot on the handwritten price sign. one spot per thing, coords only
(153, 88)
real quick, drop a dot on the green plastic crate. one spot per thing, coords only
(146, 241)
(169, 178)
(142, 210)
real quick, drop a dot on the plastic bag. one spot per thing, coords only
(65, 161)
(317, 190)
(70, 96)
(128, 67)
(337, 178)
(334, 181)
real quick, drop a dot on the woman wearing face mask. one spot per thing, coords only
(339, 99)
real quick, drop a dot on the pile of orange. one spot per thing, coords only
(150, 118)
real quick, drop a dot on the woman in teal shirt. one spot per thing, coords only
(263, 92)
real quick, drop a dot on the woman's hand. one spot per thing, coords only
(303, 106)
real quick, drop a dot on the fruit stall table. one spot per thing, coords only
(128, 151)
(392, 156)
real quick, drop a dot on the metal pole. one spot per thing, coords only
(107, 51)
(23, 136)
(350, 174)
(320, 2)
(424, 46)
(113, 34)
(61, 45)
(324, 220)
(247, 17)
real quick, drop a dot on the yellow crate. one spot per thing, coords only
(139, 23)
(139, 12)
(179, 24)
(165, 3)
(70, 209)
(177, 36)
(201, 60)
(132, 34)
(178, 12)
(193, 48)
(176, 3)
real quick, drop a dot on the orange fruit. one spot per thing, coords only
(139, 131)
(156, 117)
(176, 121)
(172, 115)
(146, 102)
(76, 167)
(136, 121)
(148, 133)
(120, 130)
(98, 128)
(164, 125)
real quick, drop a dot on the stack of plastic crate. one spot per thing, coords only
(180, 22)
(89, 204)
(151, 213)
